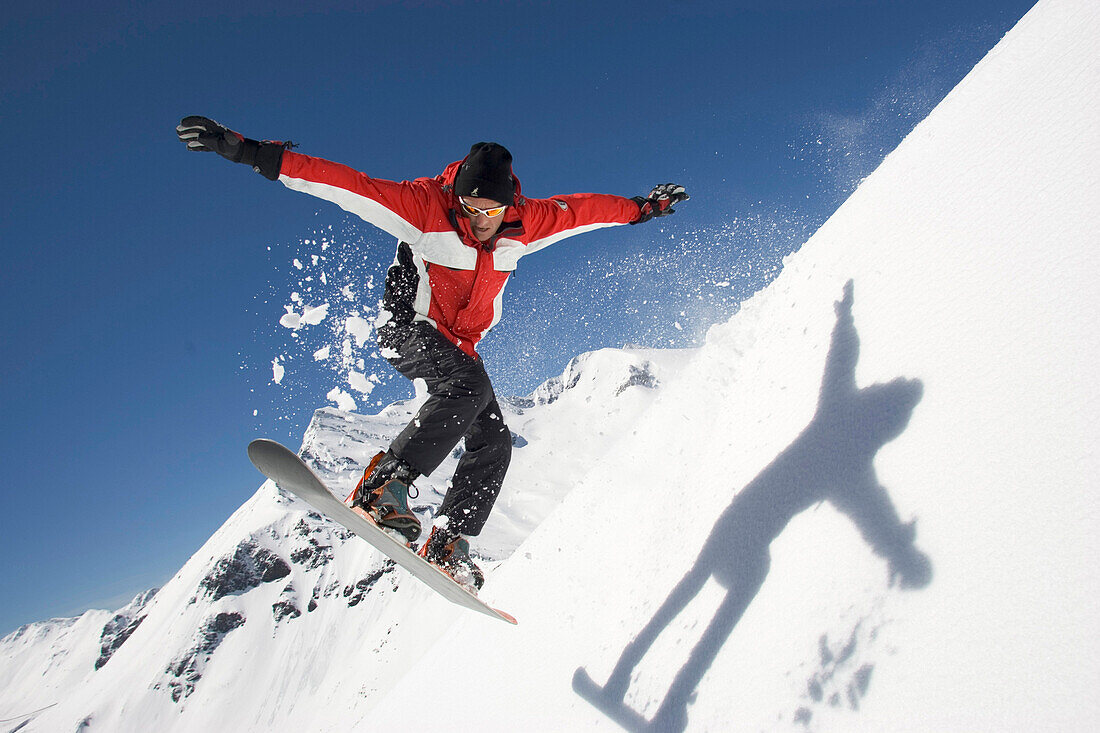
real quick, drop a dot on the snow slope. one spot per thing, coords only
(954, 384)
(867, 503)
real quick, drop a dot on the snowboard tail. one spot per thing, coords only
(290, 473)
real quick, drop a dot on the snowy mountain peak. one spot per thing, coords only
(124, 623)
(597, 372)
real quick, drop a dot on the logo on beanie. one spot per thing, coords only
(474, 192)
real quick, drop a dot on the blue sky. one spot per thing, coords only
(142, 285)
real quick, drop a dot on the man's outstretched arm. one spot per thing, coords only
(397, 208)
(552, 220)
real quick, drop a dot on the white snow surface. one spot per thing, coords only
(867, 503)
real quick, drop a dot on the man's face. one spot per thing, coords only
(483, 225)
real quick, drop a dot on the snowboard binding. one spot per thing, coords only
(382, 495)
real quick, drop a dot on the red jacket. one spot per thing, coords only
(442, 273)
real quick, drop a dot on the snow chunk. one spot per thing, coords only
(359, 328)
(310, 316)
(290, 319)
(342, 399)
(362, 383)
(313, 316)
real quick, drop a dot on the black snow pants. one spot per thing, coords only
(460, 404)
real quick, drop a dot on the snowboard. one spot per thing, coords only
(290, 473)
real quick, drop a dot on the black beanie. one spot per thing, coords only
(487, 174)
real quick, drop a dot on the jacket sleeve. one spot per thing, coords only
(396, 208)
(551, 220)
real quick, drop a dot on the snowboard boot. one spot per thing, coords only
(451, 554)
(384, 493)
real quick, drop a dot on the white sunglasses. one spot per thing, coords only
(474, 211)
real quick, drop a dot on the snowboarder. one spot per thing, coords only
(460, 236)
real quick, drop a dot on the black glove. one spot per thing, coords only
(659, 202)
(205, 135)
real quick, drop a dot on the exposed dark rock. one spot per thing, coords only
(857, 688)
(286, 606)
(114, 635)
(284, 609)
(322, 591)
(355, 593)
(122, 626)
(313, 555)
(549, 391)
(187, 670)
(642, 377)
(249, 567)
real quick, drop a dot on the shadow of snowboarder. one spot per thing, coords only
(832, 459)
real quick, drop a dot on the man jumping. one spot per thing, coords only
(460, 236)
